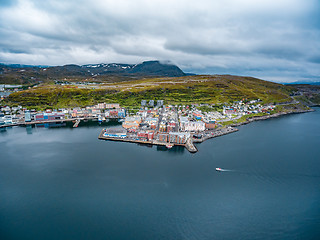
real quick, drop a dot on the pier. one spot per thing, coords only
(190, 146)
(23, 123)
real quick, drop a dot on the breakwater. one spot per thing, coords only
(215, 133)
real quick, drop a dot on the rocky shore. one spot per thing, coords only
(259, 118)
(215, 133)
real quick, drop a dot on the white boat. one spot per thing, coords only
(218, 169)
(169, 146)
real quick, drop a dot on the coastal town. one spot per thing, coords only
(151, 123)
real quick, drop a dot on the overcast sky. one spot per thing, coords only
(276, 40)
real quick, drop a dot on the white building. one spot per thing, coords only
(194, 126)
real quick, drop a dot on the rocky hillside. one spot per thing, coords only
(214, 89)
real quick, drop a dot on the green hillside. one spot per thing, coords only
(214, 89)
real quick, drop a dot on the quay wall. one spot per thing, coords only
(45, 121)
(189, 146)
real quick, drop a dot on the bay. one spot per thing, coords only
(64, 183)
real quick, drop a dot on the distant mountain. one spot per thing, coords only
(16, 73)
(157, 68)
(22, 66)
(148, 68)
(303, 82)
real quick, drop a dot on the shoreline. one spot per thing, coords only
(46, 121)
(190, 144)
(275, 115)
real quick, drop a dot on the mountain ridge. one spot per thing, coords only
(22, 74)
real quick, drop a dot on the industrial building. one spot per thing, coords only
(115, 133)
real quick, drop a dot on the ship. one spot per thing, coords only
(169, 146)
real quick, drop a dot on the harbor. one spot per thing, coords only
(153, 123)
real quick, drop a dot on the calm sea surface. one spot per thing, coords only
(64, 183)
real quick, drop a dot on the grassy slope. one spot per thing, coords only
(184, 90)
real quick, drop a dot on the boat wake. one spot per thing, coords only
(223, 170)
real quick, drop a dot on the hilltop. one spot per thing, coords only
(213, 89)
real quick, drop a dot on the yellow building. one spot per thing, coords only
(131, 122)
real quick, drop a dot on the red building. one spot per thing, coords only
(210, 125)
(163, 137)
(150, 136)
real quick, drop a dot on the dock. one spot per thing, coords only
(102, 137)
(23, 123)
(190, 146)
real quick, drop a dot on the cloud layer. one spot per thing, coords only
(271, 39)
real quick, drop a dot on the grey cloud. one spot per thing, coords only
(315, 59)
(281, 52)
(7, 3)
(14, 50)
(230, 36)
